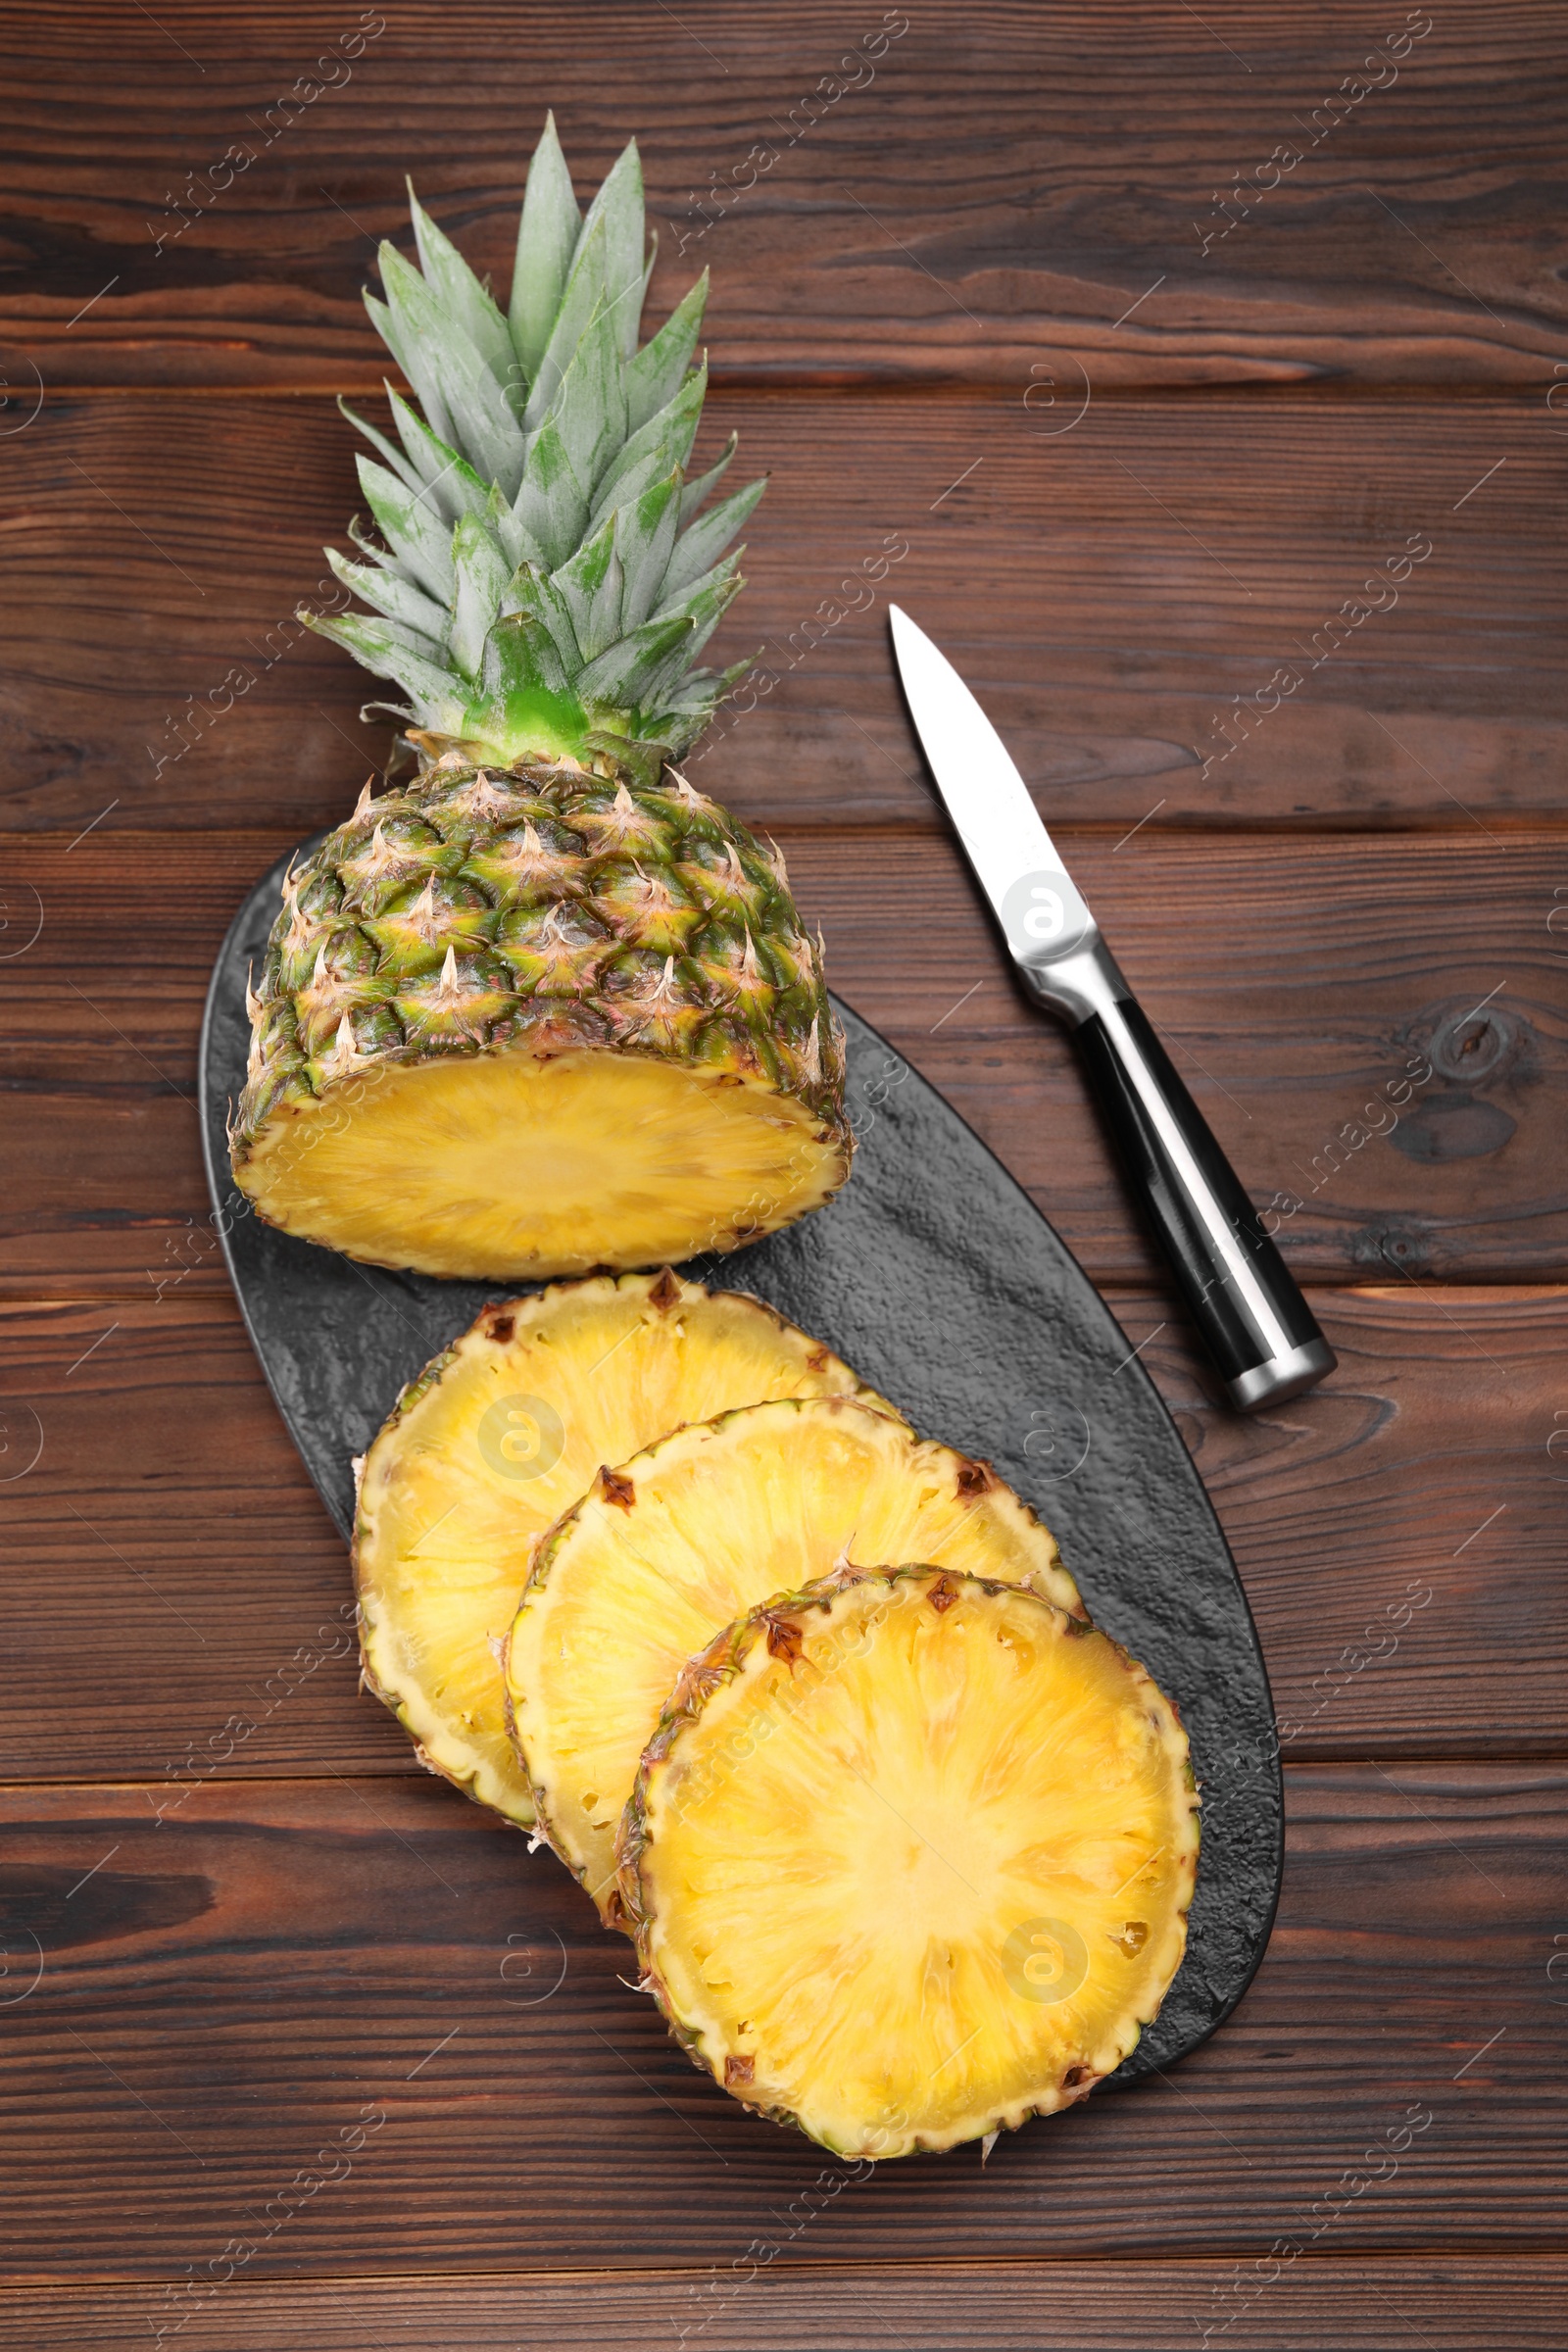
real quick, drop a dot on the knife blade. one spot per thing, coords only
(1263, 1335)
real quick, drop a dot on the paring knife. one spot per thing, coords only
(1239, 1291)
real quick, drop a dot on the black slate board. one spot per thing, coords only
(938, 1279)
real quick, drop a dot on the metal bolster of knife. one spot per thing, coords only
(1077, 985)
(1265, 1341)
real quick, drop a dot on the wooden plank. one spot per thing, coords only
(189, 1608)
(177, 1604)
(1296, 980)
(1353, 2303)
(953, 193)
(271, 1930)
(283, 1966)
(1421, 1467)
(1167, 609)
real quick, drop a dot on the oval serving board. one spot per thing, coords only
(938, 1279)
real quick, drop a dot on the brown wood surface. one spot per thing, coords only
(1125, 595)
(965, 315)
(239, 1982)
(1005, 186)
(1355, 2304)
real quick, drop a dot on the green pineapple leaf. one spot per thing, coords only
(696, 493)
(590, 408)
(521, 658)
(580, 305)
(450, 482)
(548, 570)
(552, 504)
(380, 646)
(546, 239)
(617, 210)
(386, 326)
(447, 366)
(531, 590)
(591, 584)
(645, 534)
(465, 300)
(690, 599)
(701, 609)
(627, 669)
(703, 542)
(418, 537)
(656, 375)
(665, 440)
(392, 596)
(480, 571)
(396, 458)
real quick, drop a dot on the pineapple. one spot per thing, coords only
(499, 1436)
(543, 1008)
(909, 1858)
(670, 1546)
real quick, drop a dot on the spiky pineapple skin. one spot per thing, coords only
(545, 906)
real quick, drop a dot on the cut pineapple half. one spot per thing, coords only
(604, 1038)
(493, 1442)
(513, 1166)
(671, 1546)
(909, 1859)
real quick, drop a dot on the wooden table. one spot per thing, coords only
(1039, 303)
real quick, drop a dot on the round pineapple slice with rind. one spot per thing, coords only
(669, 1547)
(909, 1858)
(500, 1435)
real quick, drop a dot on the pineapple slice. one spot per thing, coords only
(665, 1550)
(909, 1858)
(494, 1439)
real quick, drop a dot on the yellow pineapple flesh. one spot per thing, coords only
(499, 1436)
(909, 1859)
(674, 1544)
(510, 1165)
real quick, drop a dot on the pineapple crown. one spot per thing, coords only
(546, 576)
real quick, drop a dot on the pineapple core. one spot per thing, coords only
(500, 1436)
(913, 1861)
(692, 1533)
(514, 1167)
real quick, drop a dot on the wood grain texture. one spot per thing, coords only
(178, 1605)
(258, 1977)
(1146, 442)
(1295, 982)
(1353, 2303)
(988, 189)
(1132, 599)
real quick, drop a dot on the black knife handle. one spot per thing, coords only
(1258, 1328)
